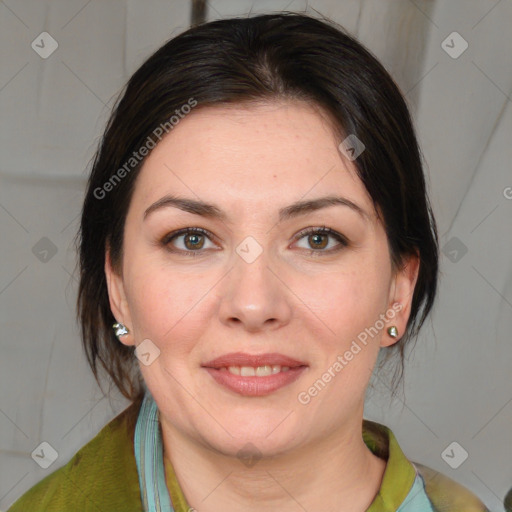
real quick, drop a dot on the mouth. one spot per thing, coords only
(254, 375)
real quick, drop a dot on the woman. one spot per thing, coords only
(256, 228)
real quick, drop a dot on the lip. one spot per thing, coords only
(254, 386)
(243, 359)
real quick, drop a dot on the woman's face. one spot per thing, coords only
(252, 284)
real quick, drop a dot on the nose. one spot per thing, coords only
(254, 295)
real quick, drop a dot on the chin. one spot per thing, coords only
(264, 438)
(250, 449)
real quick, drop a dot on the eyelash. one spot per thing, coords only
(167, 239)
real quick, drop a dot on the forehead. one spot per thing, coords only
(250, 158)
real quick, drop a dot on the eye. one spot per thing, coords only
(193, 240)
(317, 238)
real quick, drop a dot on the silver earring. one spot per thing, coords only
(120, 330)
(393, 331)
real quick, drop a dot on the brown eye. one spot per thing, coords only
(318, 240)
(192, 241)
(195, 240)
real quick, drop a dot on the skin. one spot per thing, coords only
(251, 161)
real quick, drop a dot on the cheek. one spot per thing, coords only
(345, 302)
(348, 304)
(167, 305)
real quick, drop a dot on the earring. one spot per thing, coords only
(393, 331)
(120, 330)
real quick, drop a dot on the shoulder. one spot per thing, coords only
(406, 483)
(447, 495)
(102, 475)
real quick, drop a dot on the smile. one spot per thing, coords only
(254, 375)
(259, 371)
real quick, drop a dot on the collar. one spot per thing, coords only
(157, 470)
(399, 474)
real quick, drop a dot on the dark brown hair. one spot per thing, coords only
(242, 60)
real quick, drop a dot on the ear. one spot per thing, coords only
(400, 298)
(117, 299)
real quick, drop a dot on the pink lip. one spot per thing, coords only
(254, 386)
(242, 359)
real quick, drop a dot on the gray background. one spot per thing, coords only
(457, 387)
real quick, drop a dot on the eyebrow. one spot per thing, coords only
(214, 212)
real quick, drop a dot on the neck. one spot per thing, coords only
(337, 473)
